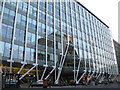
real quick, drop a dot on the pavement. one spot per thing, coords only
(113, 86)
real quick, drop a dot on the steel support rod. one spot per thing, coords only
(27, 72)
(13, 39)
(43, 73)
(91, 75)
(49, 73)
(2, 11)
(46, 47)
(21, 68)
(61, 66)
(78, 68)
(74, 67)
(81, 77)
(24, 62)
(37, 73)
(98, 75)
(37, 41)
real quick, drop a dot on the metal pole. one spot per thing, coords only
(43, 73)
(50, 73)
(37, 40)
(27, 72)
(13, 39)
(78, 68)
(54, 45)
(46, 47)
(24, 62)
(81, 77)
(61, 66)
(2, 11)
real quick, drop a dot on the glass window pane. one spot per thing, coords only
(27, 53)
(4, 27)
(15, 51)
(32, 54)
(33, 39)
(9, 32)
(22, 35)
(29, 37)
(20, 54)
(1, 48)
(12, 13)
(17, 34)
(6, 10)
(7, 50)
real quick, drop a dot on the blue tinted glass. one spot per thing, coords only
(20, 54)
(1, 48)
(9, 32)
(7, 50)
(6, 10)
(12, 13)
(28, 53)
(15, 51)
(4, 28)
(22, 35)
(17, 34)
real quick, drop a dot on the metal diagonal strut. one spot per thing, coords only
(81, 77)
(28, 72)
(61, 65)
(78, 68)
(99, 75)
(44, 71)
(50, 73)
(91, 75)
(21, 68)
(24, 62)
(37, 73)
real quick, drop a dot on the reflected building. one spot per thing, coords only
(61, 40)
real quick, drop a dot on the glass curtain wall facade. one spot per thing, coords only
(57, 36)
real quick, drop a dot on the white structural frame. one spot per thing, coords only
(85, 71)
(99, 68)
(24, 62)
(10, 61)
(55, 62)
(93, 72)
(46, 64)
(2, 11)
(37, 42)
(73, 41)
(63, 57)
(62, 63)
(36, 61)
(13, 39)
(77, 71)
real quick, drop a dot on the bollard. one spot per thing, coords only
(45, 83)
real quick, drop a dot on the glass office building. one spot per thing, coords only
(57, 39)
